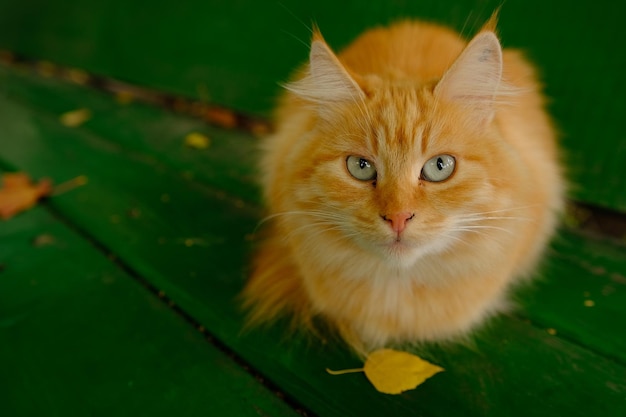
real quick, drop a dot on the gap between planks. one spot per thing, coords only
(162, 296)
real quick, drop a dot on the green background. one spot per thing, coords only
(235, 52)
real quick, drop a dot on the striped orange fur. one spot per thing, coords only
(398, 257)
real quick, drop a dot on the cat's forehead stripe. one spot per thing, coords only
(378, 136)
(400, 125)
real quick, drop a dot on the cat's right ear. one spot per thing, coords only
(326, 81)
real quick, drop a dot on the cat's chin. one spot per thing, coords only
(402, 253)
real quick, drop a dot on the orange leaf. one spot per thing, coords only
(19, 193)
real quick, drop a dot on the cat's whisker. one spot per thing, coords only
(484, 218)
(308, 226)
(312, 213)
(506, 209)
(454, 237)
(477, 228)
(341, 236)
(480, 233)
(322, 216)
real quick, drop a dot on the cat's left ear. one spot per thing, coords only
(474, 78)
(327, 80)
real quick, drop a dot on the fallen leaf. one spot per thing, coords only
(45, 68)
(124, 96)
(7, 57)
(77, 76)
(221, 117)
(393, 372)
(75, 118)
(43, 240)
(197, 141)
(19, 193)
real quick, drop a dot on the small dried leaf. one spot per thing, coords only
(124, 96)
(77, 76)
(75, 118)
(19, 193)
(221, 117)
(392, 371)
(45, 68)
(43, 240)
(197, 141)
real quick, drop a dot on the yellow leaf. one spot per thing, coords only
(75, 118)
(197, 141)
(393, 372)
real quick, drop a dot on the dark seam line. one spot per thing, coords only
(209, 337)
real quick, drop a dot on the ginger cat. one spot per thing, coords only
(411, 181)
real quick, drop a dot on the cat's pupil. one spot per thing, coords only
(363, 163)
(440, 164)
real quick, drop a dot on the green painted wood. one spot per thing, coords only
(581, 293)
(147, 131)
(155, 135)
(235, 52)
(194, 247)
(78, 336)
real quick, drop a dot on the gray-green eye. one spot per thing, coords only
(361, 168)
(439, 168)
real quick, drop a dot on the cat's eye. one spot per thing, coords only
(439, 168)
(360, 168)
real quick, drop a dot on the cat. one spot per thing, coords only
(412, 180)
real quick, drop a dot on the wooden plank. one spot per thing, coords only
(78, 336)
(146, 130)
(194, 248)
(581, 291)
(240, 67)
(157, 135)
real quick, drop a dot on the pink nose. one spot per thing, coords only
(398, 221)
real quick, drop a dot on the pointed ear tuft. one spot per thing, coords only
(474, 78)
(326, 81)
(491, 25)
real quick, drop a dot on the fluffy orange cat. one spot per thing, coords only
(412, 180)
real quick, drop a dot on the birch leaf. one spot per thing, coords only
(393, 372)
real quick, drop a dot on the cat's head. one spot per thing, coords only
(402, 168)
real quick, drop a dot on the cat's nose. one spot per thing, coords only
(398, 221)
